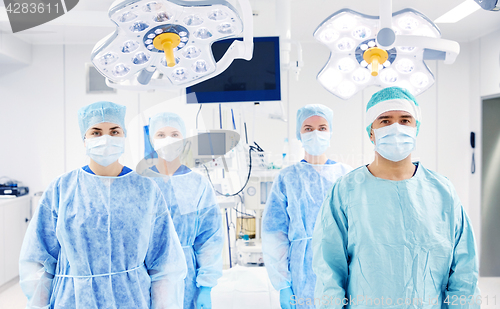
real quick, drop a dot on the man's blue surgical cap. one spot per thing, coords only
(162, 120)
(391, 99)
(100, 112)
(313, 110)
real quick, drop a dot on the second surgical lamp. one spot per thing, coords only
(385, 51)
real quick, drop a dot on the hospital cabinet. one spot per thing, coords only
(14, 217)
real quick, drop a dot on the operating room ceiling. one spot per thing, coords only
(88, 22)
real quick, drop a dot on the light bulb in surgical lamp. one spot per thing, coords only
(217, 15)
(346, 65)
(162, 17)
(200, 66)
(121, 70)
(361, 76)
(126, 17)
(192, 52)
(408, 23)
(225, 28)
(345, 44)
(179, 74)
(130, 46)
(139, 26)
(140, 58)
(405, 66)
(361, 33)
(203, 33)
(389, 76)
(167, 44)
(108, 58)
(329, 36)
(193, 20)
(152, 6)
(419, 80)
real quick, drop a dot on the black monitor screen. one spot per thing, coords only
(212, 144)
(244, 81)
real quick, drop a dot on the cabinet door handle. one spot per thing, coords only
(26, 220)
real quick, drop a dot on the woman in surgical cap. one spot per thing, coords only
(102, 236)
(292, 207)
(193, 207)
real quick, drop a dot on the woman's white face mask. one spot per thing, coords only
(105, 149)
(169, 148)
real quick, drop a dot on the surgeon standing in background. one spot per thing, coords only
(292, 207)
(102, 236)
(393, 233)
(193, 207)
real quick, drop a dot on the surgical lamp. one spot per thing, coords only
(385, 51)
(165, 44)
(489, 5)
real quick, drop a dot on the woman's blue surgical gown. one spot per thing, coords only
(102, 242)
(288, 223)
(198, 222)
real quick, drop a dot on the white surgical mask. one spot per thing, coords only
(105, 149)
(315, 143)
(395, 142)
(169, 148)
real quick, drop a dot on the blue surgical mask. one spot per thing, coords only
(315, 143)
(105, 149)
(395, 142)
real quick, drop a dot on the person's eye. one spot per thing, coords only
(95, 133)
(406, 121)
(116, 132)
(322, 129)
(175, 135)
(385, 121)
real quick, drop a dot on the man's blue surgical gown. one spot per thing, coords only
(396, 244)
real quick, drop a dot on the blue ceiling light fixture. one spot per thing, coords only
(385, 51)
(165, 44)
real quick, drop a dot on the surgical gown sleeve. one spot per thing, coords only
(275, 242)
(165, 261)
(208, 246)
(463, 276)
(330, 257)
(38, 258)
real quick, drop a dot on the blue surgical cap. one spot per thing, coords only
(161, 120)
(100, 112)
(391, 99)
(313, 110)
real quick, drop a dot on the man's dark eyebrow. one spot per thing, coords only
(407, 116)
(114, 128)
(95, 128)
(307, 125)
(384, 117)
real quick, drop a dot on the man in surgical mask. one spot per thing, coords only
(102, 236)
(292, 207)
(394, 233)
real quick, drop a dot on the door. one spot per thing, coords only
(490, 204)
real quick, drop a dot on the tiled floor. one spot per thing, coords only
(12, 297)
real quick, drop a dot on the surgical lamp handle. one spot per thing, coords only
(451, 48)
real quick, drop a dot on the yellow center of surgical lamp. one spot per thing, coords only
(167, 42)
(375, 56)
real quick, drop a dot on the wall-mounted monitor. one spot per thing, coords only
(256, 80)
